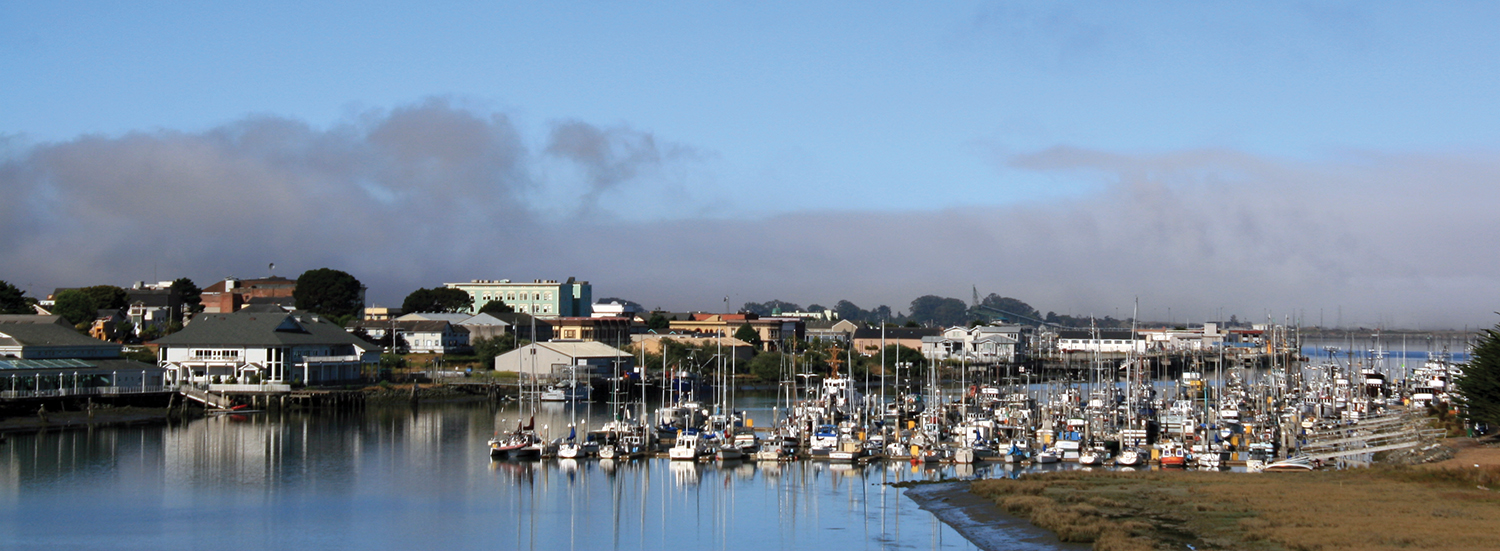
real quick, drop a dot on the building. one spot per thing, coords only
(231, 294)
(381, 313)
(43, 356)
(480, 326)
(984, 344)
(264, 344)
(771, 330)
(1113, 341)
(867, 340)
(557, 359)
(616, 309)
(545, 298)
(614, 331)
(651, 343)
(831, 330)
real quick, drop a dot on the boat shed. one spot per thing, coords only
(554, 359)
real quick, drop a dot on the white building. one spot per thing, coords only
(554, 359)
(1101, 341)
(264, 343)
(982, 344)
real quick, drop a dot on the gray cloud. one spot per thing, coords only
(431, 192)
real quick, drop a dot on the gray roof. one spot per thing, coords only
(255, 327)
(28, 318)
(45, 334)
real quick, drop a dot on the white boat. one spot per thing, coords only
(690, 446)
(1128, 458)
(567, 391)
(1046, 456)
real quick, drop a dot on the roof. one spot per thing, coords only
(45, 334)
(29, 318)
(582, 349)
(435, 316)
(263, 283)
(897, 332)
(255, 327)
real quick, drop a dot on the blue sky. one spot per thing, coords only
(746, 112)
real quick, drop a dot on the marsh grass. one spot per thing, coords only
(1379, 508)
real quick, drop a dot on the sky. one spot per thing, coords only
(1325, 163)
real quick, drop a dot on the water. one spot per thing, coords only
(417, 479)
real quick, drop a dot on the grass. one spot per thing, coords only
(1379, 508)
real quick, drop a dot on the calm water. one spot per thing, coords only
(420, 478)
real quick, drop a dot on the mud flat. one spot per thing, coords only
(1449, 506)
(980, 521)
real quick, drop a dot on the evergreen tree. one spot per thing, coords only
(748, 334)
(13, 300)
(1479, 387)
(329, 292)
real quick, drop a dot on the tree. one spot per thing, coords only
(489, 347)
(439, 299)
(848, 311)
(766, 366)
(1479, 387)
(1009, 306)
(329, 292)
(75, 306)
(496, 306)
(191, 295)
(769, 308)
(658, 322)
(13, 300)
(748, 334)
(938, 310)
(106, 297)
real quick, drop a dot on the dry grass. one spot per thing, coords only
(1382, 508)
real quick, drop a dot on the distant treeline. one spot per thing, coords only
(936, 311)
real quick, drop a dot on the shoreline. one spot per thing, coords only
(981, 522)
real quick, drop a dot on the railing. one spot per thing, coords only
(91, 391)
(268, 387)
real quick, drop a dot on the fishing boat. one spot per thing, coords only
(690, 445)
(567, 391)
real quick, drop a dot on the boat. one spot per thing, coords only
(690, 445)
(1128, 458)
(518, 444)
(1292, 465)
(567, 391)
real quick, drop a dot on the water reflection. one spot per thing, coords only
(421, 478)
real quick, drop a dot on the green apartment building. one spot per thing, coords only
(543, 298)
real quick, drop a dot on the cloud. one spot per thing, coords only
(432, 192)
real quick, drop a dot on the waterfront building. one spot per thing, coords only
(651, 343)
(264, 343)
(544, 298)
(1101, 341)
(984, 344)
(43, 356)
(555, 359)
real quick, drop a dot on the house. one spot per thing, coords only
(381, 313)
(830, 330)
(868, 340)
(43, 356)
(47, 337)
(431, 337)
(264, 343)
(984, 344)
(557, 358)
(480, 326)
(543, 297)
